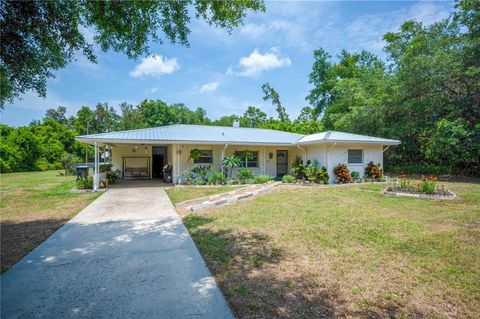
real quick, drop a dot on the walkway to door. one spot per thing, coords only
(126, 255)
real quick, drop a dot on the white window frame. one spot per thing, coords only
(348, 156)
(203, 156)
(257, 162)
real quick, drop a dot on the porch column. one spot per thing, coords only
(96, 181)
(264, 159)
(223, 155)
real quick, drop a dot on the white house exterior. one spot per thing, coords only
(142, 153)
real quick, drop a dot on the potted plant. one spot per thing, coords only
(195, 154)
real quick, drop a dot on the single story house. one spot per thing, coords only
(144, 152)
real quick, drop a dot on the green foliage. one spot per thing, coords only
(195, 154)
(85, 183)
(270, 94)
(322, 176)
(288, 179)
(232, 162)
(298, 169)
(217, 178)
(39, 37)
(262, 179)
(373, 171)
(112, 176)
(427, 185)
(355, 176)
(342, 174)
(311, 173)
(244, 175)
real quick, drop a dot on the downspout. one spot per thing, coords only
(326, 158)
(388, 146)
(305, 152)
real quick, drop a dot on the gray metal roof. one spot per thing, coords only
(341, 137)
(204, 134)
(197, 134)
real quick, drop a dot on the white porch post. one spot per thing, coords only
(223, 155)
(96, 182)
(174, 160)
(264, 170)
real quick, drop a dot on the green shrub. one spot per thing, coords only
(311, 173)
(262, 179)
(322, 176)
(217, 178)
(85, 183)
(298, 169)
(244, 174)
(355, 175)
(427, 185)
(199, 182)
(288, 179)
(373, 171)
(42, 164)
(343, 174)
(112, 177)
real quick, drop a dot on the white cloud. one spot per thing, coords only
(209, 87)
(256, 63)
(155, 65)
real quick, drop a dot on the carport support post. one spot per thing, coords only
(95, 170)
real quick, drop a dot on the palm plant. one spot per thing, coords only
(232, 162)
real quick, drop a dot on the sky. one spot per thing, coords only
(223, 73)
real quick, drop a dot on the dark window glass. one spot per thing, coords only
(251, 162)
(355, 156)
(207, 157)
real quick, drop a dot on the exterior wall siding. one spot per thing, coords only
(330, 155)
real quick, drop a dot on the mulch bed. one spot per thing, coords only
(439, 194)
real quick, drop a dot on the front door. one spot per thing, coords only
(159, 159)
(282, 163)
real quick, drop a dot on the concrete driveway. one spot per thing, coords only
(127, 255)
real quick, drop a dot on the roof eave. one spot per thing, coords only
(392, 142)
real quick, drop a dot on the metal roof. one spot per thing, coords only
(341, 137)
(204, 134)
(198, 134)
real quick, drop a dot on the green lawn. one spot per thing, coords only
(345, 252)
(180, 194)
(34, 205)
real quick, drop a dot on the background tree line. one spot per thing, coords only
(426, 93)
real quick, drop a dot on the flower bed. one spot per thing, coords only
(423, 187)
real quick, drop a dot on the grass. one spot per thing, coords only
(345, 252)
(34, 205)
(180, 194)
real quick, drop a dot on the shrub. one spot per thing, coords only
(311, 173)
(85, 183)
(244, 174)
(322, 176)
(195, 154)
(112, 177)
(406, 184)
(355, 176)
(217, 178)
(42, 164)
(261, 179)
(298, 169)
(288, 179)
(232, 162)
(373, 171)
(199, 182)
(342, 173)
(427, 185)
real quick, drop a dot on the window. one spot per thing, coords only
(251, 162)
(207, 157)
(355, 156)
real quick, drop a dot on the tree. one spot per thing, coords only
(232, 162)
(253, 117)
(57, 115)
(270, 94)
(39, 37)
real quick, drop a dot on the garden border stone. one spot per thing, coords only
(403, 194)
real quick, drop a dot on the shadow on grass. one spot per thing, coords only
(18, 239)
(259, 280)
(244, 265)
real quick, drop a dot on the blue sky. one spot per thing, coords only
(223, 73)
